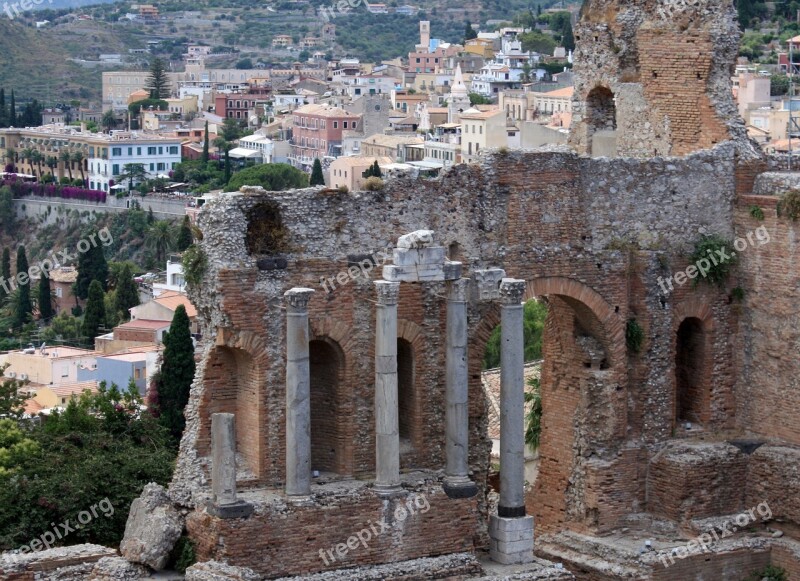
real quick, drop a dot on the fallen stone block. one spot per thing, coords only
(153, 527)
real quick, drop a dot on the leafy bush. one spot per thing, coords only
(373, 184)
(195, 263)
(789, 205)
(711, 249)
(534, 315)
(756, 212)
(183, 555)
(273, 177)
(634, 335)
(770, 573)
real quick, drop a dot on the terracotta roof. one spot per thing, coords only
(323, 111)
(69, 389)
(171, 300)
(392, 140)
(32, 407)
(565, 92)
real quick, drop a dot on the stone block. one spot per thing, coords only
(434, 255)
(153, 527)
(416, 239)
(502, 549)
(413, 274)
(486, 284)
(453, 270)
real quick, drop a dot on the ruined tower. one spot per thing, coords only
(653, 78)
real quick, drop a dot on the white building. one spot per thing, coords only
(174, 281)
(263, 145)
(158, 156)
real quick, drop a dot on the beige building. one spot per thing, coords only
(347, 171)
(752, 91)
(186, 105)
(51, 366)
(482, 129)
(394, 147)
(48, 397)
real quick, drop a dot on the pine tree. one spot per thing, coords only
(24, 306)
(177, 373)
(184, 240)
(95, 311)
(317, 178)
(45, 298)
(5, 272)
(127, 295)
(204, 158)
(158, 82)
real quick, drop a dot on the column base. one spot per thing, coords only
(511, 539)
(459, 487)
(239, 509)
(389, 490)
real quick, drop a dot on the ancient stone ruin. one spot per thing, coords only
(338, 388)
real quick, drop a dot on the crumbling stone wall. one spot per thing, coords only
(587, 234)
(667, 64)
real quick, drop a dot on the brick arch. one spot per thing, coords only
(605, 313)
(333, 417)
(694, 396)
(410, 395)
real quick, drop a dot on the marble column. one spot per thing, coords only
(387, 425)
(457, 483)
(298, 396)
(225, 503)
(510, 531)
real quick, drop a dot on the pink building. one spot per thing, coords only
(317, 133)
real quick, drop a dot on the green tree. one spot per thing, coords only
(14, 447)
(567, 38)
(469, 32)
(231, 131)
(317, 178)
(538, 42)
(6, 209)
(134, 173)
(24, 307)
(271, 176)
(127, 295)
(45, 298)
(177, 373)
(12, 404)
(533, 416)
(534, 315)
(157, 82)
(95, 316)
(204, 157)
(92, 266)
(184, 240)
(779, 85)
(5, 272)
(108, 120)
(160, 239)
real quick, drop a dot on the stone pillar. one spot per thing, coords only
(298, 394)
(224, 502)
(387, 425)
(457, 483)
(511, 532)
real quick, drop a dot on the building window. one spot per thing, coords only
(116, 151)
(345, 125)
(115, 169)
(130, 151)
(160, 150)
(138, 151)
(59, 292)
(152, 166)
(151, 151)
(336, 125)
(173, 150)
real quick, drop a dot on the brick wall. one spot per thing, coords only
(292, 540)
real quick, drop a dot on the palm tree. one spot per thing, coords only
(38, 158)
(11, 155)
(160, 239)
(78, 157)
(108, 120)
(51, 161)
(66, 157)
(26, 154)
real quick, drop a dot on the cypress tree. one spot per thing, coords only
(317, 178)
(127, 295)
(24, 306)
(92, 265)
(12, 111)
(184, 235)
(205, 146)
(177, 373)
(45, 298)
(3, 115)
(376, 170)
(95, 311)
(5, 271)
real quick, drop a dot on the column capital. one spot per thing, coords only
(297, 299)
(511, 291)
(388, 292)
(457, 290)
